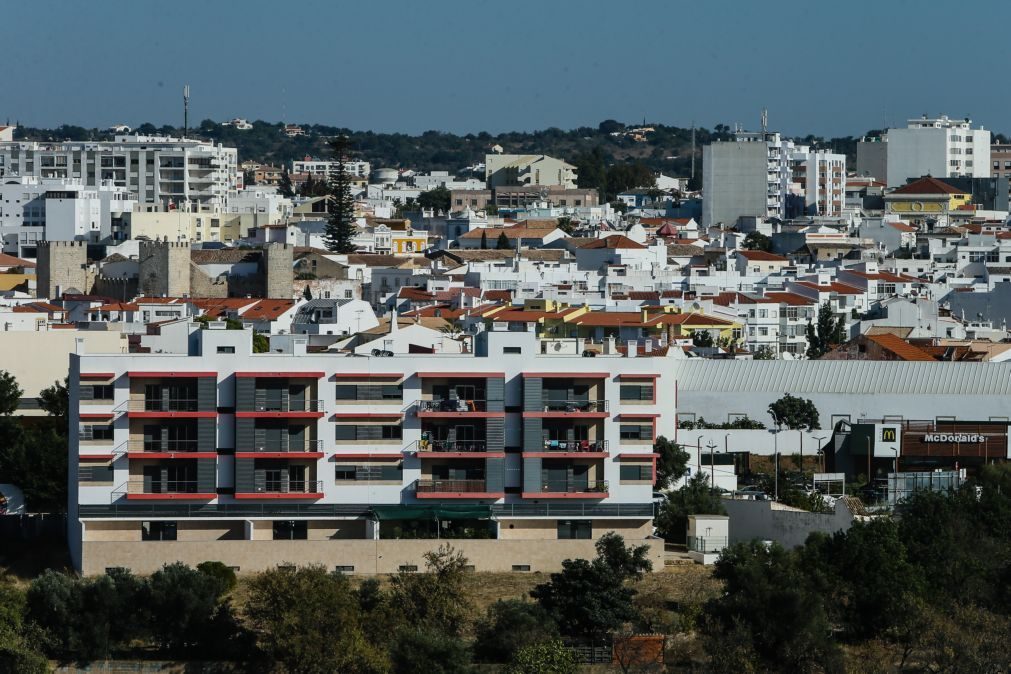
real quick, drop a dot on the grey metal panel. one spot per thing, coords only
(245, 393)
(95, 474)
(244, 475)
(495, 394)
(533, 388)
(531, 475)
(207, 394)
(207, 476)
(245, 436)
(495, 435)
(207, 435)
(369, 432)
(851, 377)
(495, 474)
(86, 392)
(533, 434)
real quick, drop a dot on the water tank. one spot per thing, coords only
(384, 176)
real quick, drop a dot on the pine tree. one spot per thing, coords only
(340, 228)
(503, 242)
(484, 240)
(284, 186)
(307, 294)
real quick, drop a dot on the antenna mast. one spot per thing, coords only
(765, 120)
(186, 109)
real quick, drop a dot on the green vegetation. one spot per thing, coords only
(794, 413)
(696, 497)
(744, 422)
(829, 332)
(757, 241)
(671, 463)
(340, 227)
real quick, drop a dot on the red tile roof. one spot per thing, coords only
(11, 261)
(927, 185)
(268, 310)
(900, 347)
(761, 256)
(834, 286)
(615, 241)
(902, 227)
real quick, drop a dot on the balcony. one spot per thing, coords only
(152, 408)
(291, 408)
(454, 489)
(135, 488)
(575, 448)
(452, 446)
(167, 449)
(304, 449)
(572, 408)
(586, 489)
(282, 489)
(454, 407)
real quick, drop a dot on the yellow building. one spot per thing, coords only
(927, 199)
(187, 226)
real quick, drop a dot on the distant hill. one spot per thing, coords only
(666, 148)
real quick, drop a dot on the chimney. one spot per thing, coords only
(393, 322)
(633, 348)
(647, 346)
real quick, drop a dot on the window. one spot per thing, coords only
(349, 294)
(373, 473)
(94, 473)
(636, 432)
(226, 349)
(521, 567)
(637, 392)
(344, 569)
(636, 472)
(763, 332)
(291, 530)
(369, 392)
(512, 349)
(575, 529)
(95, 432)
(158, 531)
(102, 392)
(408, 568)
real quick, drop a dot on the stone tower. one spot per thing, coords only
(278, 272)
(164, 269)
(61, 267)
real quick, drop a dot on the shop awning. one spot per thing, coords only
(424, 512)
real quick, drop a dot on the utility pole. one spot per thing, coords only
(186, 109)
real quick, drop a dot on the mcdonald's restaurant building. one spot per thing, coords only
(879, 447)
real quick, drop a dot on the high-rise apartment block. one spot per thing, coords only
(763, 175)
(940, 147)
(156, 169)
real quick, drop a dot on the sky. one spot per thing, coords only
(464, 66)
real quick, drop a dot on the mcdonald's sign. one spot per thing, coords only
(888, 435)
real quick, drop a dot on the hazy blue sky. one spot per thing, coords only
(835, 68)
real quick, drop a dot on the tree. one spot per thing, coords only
(307, 293)
(248, 178)
(757, 241)
(503, 242)
(546, 657)
(284, 187)
(770, 609)
(35, 459)
(764, 352)
(703, 339)
(310, 621)
(10, 393)
(437, 199)
(671, 463)
(589, 599)
(340, 227)
(437, 599)
(18, 641)
(484, 239)
(261, 343)
(184, 606)
(511, 625)
(830, 332)
(416, 649)
(55, 400)
(795, 413)
(696, 497)
(565, 224)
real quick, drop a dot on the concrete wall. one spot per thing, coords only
(734, 181)
(61, 268)
(750, 520)
(367, 556)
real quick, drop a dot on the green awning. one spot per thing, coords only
(421, 512)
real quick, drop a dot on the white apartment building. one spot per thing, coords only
(765, 176)
(297, 457)
(940, 147)
(156, 169)
(503, 170)
(34, 209)
(319, 168)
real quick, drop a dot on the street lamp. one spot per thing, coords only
(821, 453)
(698, 453)
(712, 463)
(775, 445)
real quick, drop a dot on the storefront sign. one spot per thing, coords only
(953, 437)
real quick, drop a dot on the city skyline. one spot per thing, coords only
(449, 70)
